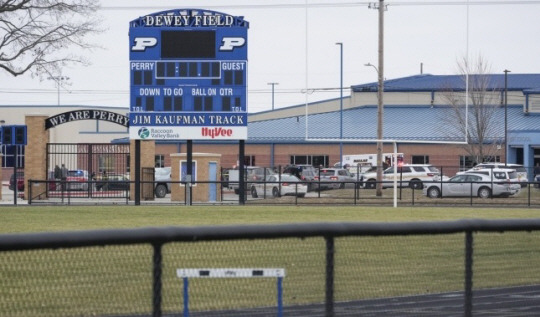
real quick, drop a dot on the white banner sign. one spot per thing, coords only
(187, 133)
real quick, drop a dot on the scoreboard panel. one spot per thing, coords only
(188, 73)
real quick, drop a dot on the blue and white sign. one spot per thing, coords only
(188, 78)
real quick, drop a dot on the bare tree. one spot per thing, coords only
(39, 36)
(478, 122)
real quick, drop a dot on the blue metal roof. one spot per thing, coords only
(427, 82)
(401, 122)
(422, 123)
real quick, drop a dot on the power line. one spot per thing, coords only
(332, 5)
(445, 3)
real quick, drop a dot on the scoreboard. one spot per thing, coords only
(188, 76)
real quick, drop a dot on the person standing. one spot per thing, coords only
(63, 176)
(57, 172)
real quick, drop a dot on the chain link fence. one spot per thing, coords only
(341, 269)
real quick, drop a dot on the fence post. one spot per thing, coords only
(156, 290)
(412, 190)
(529, 194)
(471, 193)
(468, 272)
(329, 304)
(296, 193)
(30, 191)
(319, 185)
(356, 184)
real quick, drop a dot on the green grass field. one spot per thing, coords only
(62, 218)
(118, 279)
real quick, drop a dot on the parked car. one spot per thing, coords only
(162, 179)
(251, 173)
(305, 173)
(113, 182)
(467, 184)
(334, 178)
(408, 175)
(279, 185)
(20, 181)
(520, 170)
(77, 180)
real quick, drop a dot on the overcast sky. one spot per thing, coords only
(429, 33)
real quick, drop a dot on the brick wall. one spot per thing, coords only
(36, 155)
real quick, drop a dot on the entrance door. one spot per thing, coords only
(212, 177)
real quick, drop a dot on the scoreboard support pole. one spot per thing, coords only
(16, 179)
(241, 169)
(137, 172)
(189, 171)
(278, 273)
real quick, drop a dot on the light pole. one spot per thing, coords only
(506, 71)
(58, 80)
(273, 84)
(340, 103)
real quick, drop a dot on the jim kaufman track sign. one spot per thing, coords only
(188, 76)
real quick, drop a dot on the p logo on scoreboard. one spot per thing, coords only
(230, 43)
(141, 43)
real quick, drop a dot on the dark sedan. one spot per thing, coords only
(113, 182)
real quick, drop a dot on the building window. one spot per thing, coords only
(249, 160)
(159, 160)
(315, 160)
(491, 159)
(466, 162)
(420, 159)
(8, 155)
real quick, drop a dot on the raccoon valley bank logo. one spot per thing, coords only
(165, 134)
(143, 133)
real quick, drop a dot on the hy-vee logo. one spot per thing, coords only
(227, 44)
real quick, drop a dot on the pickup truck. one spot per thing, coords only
(162, 179)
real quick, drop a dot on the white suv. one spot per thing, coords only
(520, 170)
(498, 174)
(411, 175)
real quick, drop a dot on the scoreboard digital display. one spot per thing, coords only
(202, 44)
(188, 73)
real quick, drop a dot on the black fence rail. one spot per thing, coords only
(465, 267)
(430, 193)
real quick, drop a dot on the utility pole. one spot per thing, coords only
(506, 71)
(58, 80)
(380, 92)
(380, 105)
(340, 103)
(273, 84)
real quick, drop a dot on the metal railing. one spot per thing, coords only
(157, 238)
(331, 192)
